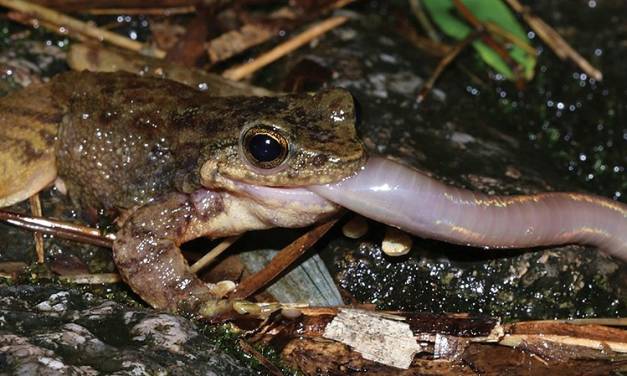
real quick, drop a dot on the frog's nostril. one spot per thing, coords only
(320, 160)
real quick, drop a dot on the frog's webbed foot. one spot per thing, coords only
(149, 259)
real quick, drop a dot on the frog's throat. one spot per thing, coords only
(270, 206)
(270, 196)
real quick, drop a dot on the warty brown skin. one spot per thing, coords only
(151, 136)
(171, 153)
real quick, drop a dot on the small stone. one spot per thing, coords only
(165, 331)
(396, 242)
(355, 228)
(513, 172)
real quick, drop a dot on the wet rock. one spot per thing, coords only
(45, 330)
(479, 132)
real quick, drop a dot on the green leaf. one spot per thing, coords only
(444, 14)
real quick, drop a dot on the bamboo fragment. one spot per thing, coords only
(35, 207)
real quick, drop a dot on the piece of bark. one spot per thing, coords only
(233, 42)
(453, 344)
(257, 31)
(190, 47)
(373, 336)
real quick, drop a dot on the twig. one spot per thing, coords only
(244, 70)
(444, 62)
(142, 11)
(416, 8)
(92, 279)
(35, 23)
(618, 321)
(487, 39)
(336, 5)
(79, 5)
(514, 340)
(61, 229)
(35, 209)
(215, 252)
(281, 261)
(496, 29)
(271, 368)
(408, 31)
(76, 26)
(552, 38)
(253, 33)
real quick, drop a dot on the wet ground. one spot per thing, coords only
(564, 131)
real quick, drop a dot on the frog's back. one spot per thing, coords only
(116, 140)
(29, 121)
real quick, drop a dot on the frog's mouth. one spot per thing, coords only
(276, 206)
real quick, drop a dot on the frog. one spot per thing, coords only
(176, 164)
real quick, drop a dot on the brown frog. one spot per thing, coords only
(181, 163)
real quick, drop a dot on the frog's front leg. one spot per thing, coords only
(149, 259)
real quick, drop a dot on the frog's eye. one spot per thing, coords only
(264, 147)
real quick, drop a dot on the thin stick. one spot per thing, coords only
(416, 8)
(496, 29)
(244, 70)
(252, 34)
(35, 209)
(444, 62)
(76, 26)
(281, 261)
(26, 20)
(610, 321)
(142, 11)
(61, 229)
(92, 279)
(552, 38)
(337, 5)
(487, 39)
(81, 5)
(215, 252)
(514, 340)
(271, 368)
(408, 31)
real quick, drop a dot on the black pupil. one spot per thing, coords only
(264, 148)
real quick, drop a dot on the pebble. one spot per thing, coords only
(396, 242)
(356, 227)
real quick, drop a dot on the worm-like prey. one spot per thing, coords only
(400, 196)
